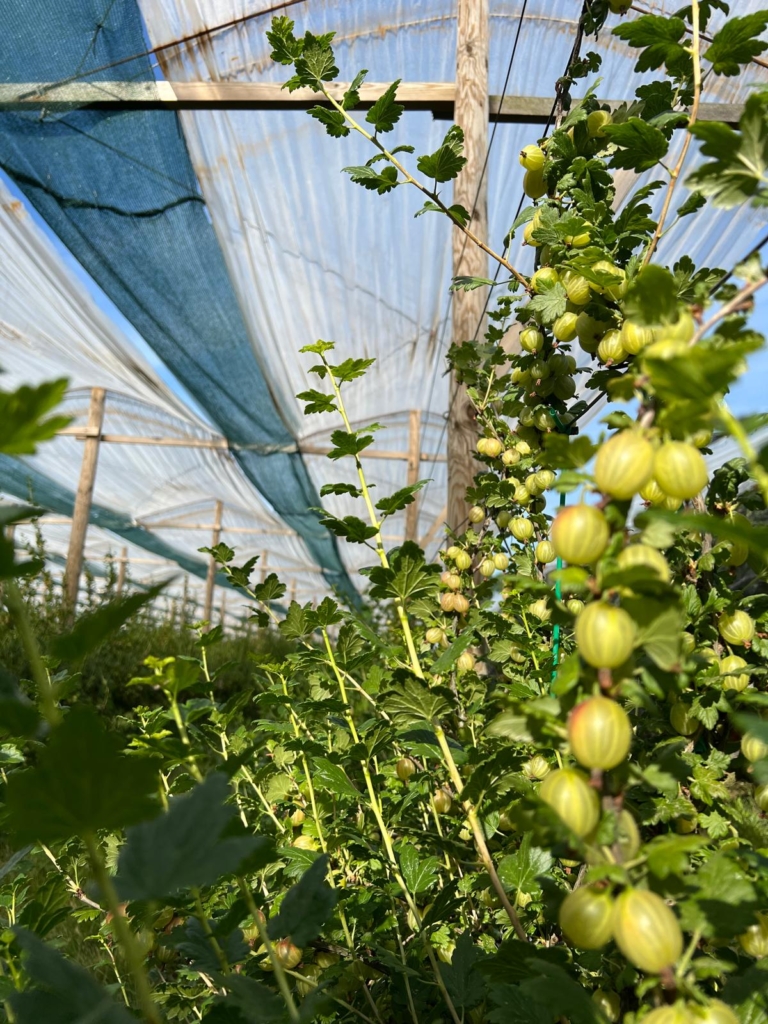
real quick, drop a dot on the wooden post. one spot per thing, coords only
(414, 463)
(293, 591)
(84, 498)
(210, 580)
(122, 562)
(470, 190)
(263, 563)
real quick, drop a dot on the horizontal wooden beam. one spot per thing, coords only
(437, 97)
(221, 444)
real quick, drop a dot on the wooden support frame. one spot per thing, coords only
(414, 445)
(122, 565)
(437, 97)
(210, 580)
(84, 498)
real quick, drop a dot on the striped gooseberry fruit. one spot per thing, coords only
(405, 768)
(571, 797)
(501, 561)
(465, 662)
(646, 931)
(519, 375)
(544, 420)
(628, 835)
(545, 552)
(534, 185)
(503, 519)
(532, 485)
(448, 601)
(685, 824)
(166, 954)
(523, 446)
(435, 635)
(761, 796)
(441, 801)
(531, 339)
(680, 470)
(540, 609)
(754, 941)
(598, 119)
(753, 748)
(605, 635)
(715, 1012)
(650, 558)
(624, 464)
(304, 843)
(476, 514)
(452, 551)
(738, 555)
(463, 560)
(580, 534)
(585, 917)
(589, 344)
(539, 369)
(702, 438)
(564, 328)
(736, 628)
(577, 289)
(487, 567)
(460, 604)
(297, 818)
(544, 278)
(522, 529)
(599, 733)
(652, 493)
(537, 768)
(522, 495)
(634, 337)
(528, 238)
(616, 290)
(688, 643)
(578, 241)
(312, 973)
(575, 606)
(532, 157)
(681, 719)
(288, 955)
(610, 349)
(490, 446)
(511, 457)
(729, 669)
(677, 1014)
(607, 1002)
(683, 329)
(564, 388)
(588, 326)
(545, 478)
(449, 579)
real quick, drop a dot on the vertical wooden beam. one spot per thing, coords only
(185, 598)
(470, 190)
(293, 591)
(263, 563)
(122, 562)
(414, 462)
(84, 498)
(210, 579)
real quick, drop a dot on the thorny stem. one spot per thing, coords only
(314, 984)
(184, 736)
(422, 188)
(124, 934)
(477, 832)
(676, 171)
(18, 609)
(277, 967)
(120, 982)
(737, 431)
(208, 932)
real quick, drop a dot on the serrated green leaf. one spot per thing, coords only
(385, 112)
(332, 777)
(446, 162)
(640, 145)
(414, 703)
(306, 906)
(736, 43)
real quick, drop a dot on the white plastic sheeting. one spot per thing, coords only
(51, 327)
(313, 255)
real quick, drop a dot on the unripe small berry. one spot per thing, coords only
(476, 514)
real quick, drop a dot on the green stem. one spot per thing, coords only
(125, 936)
(20, 615)
(208, 932)
(184, 736)
(737, 431)
(277, 967)
(314, 984)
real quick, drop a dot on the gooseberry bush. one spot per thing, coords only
(526, 783)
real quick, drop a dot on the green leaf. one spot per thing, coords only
(662, 41)
(317, 401)
(317, 62)
(400, 499)
(519, 870)
(186, 846)
(82, 782)
(737, 43)
(333, 120)
(659, 629)
(705, 371)
(23, 422)
(450, 655)
(377, 181)
(420, 875)
(670, 854)
(18, 715)
(350, 527)
(446, 162)
(247, 1002)
(414, 703)
(464, 982)
(306, 906)
(348, 443)
(692, 204)
(350, 489)
(332, 777)
(468, 284)
(652, 296)
(93, 628)
(568, 453)
(352, 95)
(408, 576)
(640, 145)
(63, 992)
(270, 590)
(456, 212)
(385, 112)
(286, 48)
(550, 303)
(298, 622)
(738, 171)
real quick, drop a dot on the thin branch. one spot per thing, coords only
(730, 307)
(675, 173)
